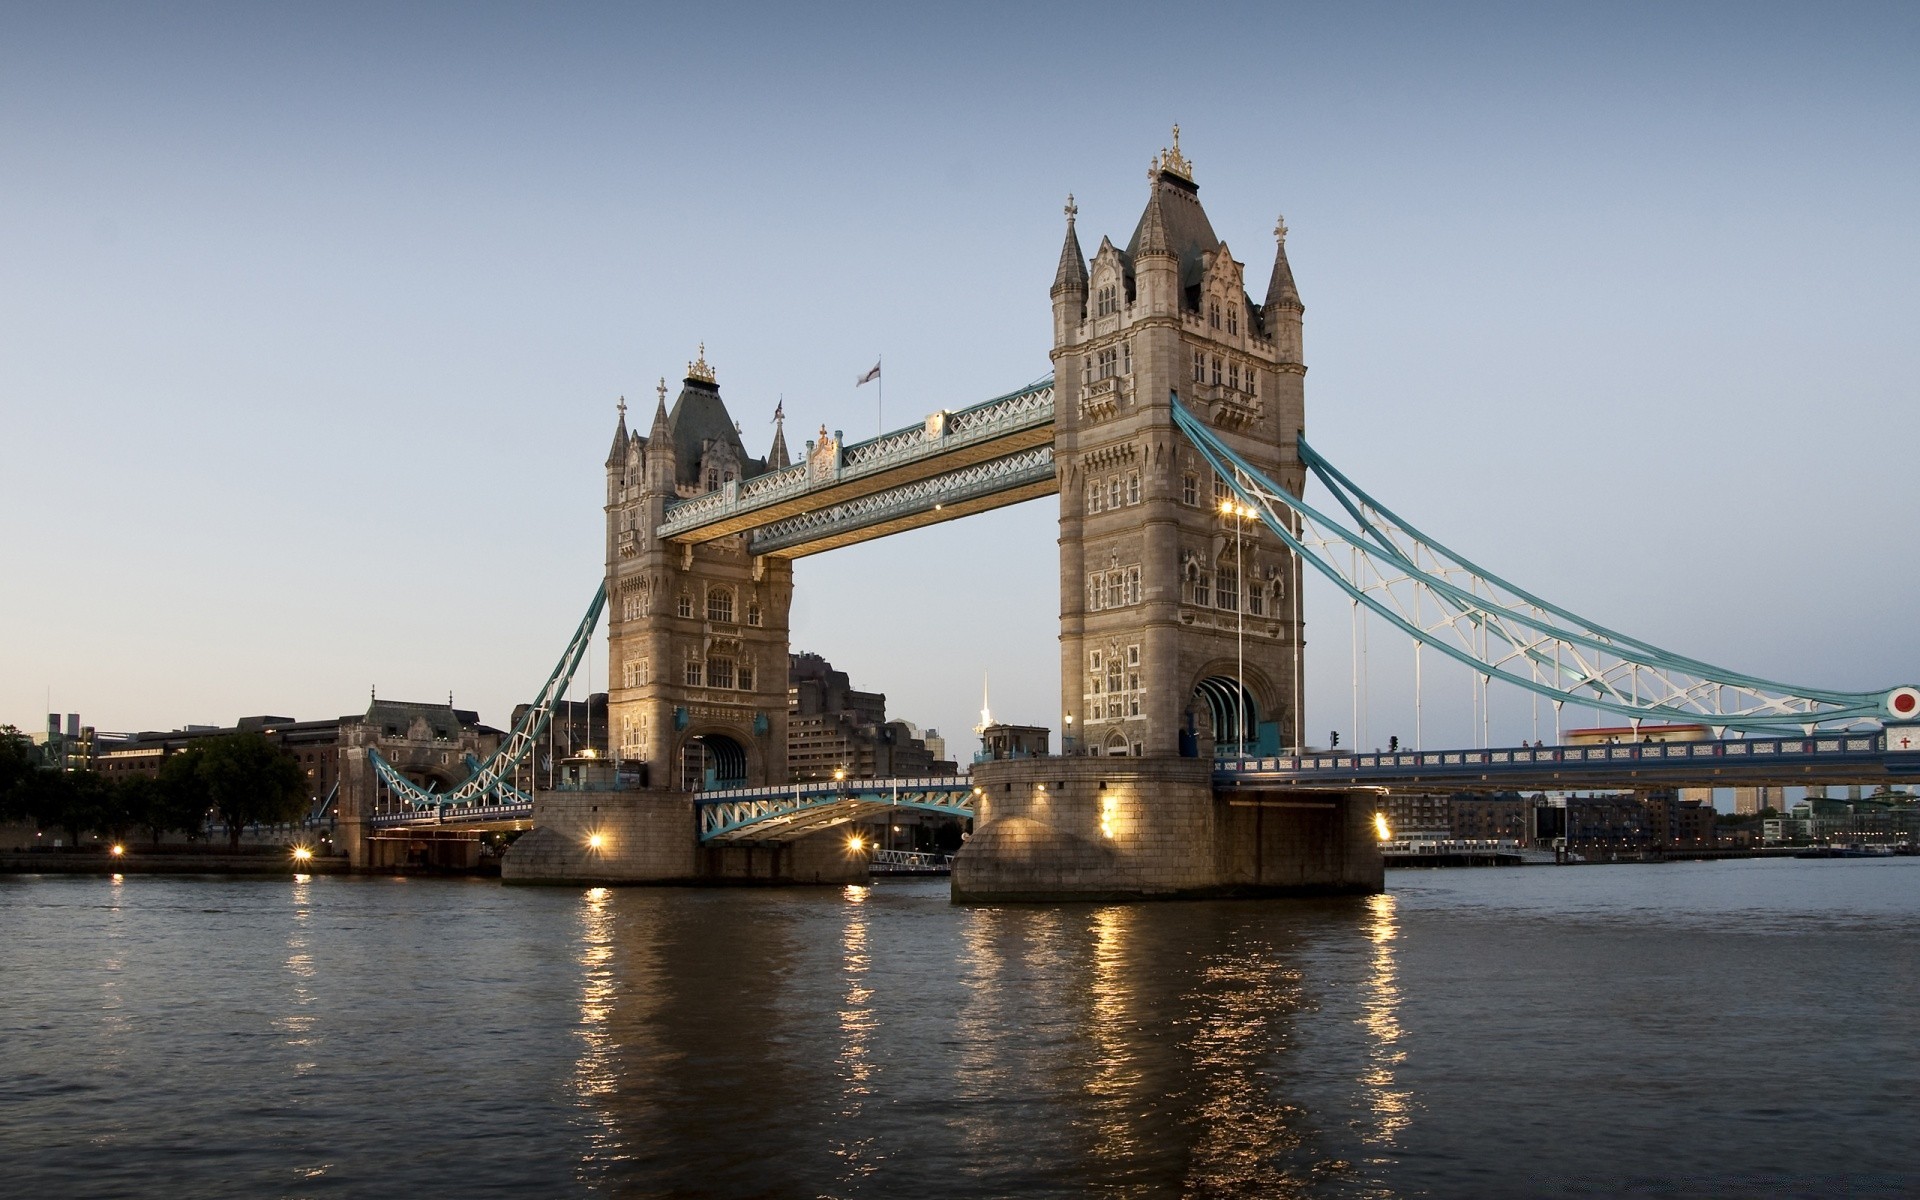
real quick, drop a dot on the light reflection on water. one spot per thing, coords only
(1697, 1029)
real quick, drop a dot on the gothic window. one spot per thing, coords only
(1233, 318)
(744, 676)
(1107, 301)
(1094, 593)
(1216, 371)
(1213, 314)
(1109, 360)
(1220, 490)
(753, 612)
(1133, 597)
(1133, 651)
(1113, 491)
(1094, 496)
(713, 478)
(1203, 589)
(1253, 388)
(1229, 589)
(635, 673)
(1257, 600)
(720, 672)
(1199, 367)
(693, 672)
(1189, 489)
(1133, 488)
(1116, 682)
(1233, 376)
(686, 605)
(720, 604)
(630, 606)
(727, 478)
(1126, 357)
(1114, 597)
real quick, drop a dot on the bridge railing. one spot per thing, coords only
(1739, 752)
(940, 433)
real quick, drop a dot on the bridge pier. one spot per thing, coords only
(1120, 828)
(653, 837)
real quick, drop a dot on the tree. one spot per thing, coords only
(243, 777)
(158, 805)
(17, 764)
(75, 801)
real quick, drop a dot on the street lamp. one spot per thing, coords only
(1239, 513)
(1066, 741)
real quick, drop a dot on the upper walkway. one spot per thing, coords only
(950, 465)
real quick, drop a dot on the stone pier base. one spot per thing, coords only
(652, 837)
(1144, 828)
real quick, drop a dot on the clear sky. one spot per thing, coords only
(312, 320)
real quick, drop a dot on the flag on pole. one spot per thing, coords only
(869, 376)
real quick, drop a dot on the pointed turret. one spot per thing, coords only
(661, 463)
(1072, 275)
(1151, 238)
(1281, 293)
(618, 455)
(777, 458)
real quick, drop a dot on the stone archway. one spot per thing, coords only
(710, 761)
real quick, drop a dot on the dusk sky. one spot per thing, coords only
(313, 322)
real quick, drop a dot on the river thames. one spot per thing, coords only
(1686, 1029)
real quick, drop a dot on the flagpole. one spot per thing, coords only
(880, 398)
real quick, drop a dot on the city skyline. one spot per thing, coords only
(318, 325)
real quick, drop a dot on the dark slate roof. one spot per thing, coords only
(444, 719)
(1188, 232)
(1073, 264)
(699, 416)
(618, 454)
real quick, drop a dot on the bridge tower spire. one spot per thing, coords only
(1156, 601)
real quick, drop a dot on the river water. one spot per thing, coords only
(1686, 1029)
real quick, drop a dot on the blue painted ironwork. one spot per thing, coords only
(1833, 757)
(783, 813)
(1024, 469)
(1443, 600)
(942, 433)
(488, 786)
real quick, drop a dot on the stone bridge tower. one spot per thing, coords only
(1154, 597)
(697, 642)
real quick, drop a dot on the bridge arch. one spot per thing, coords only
(713, 759)
(1217, 703)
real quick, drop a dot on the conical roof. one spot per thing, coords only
(618, 454)
(1281, 293)
(1073, 264)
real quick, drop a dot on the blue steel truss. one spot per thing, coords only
(487, 783)
(783, 813)
(1445, 601)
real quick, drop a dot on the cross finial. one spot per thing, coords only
(780, 410)
(662, 389)
(1280, 230)
(623, 408)
(1072, 209)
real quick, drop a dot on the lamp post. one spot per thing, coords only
(1239, 513)
(1066, 739)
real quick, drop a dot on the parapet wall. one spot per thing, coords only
(1130, 828)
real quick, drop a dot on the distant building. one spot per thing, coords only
(1505, 815)
(832, 727)
(1748, 801)
(1413, 815)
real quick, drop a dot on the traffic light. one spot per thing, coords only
(1333, 739)
(1393, 744)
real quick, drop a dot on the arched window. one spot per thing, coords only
(1213, 314)
(1233, 319)
(686, 605)
(1133, 488)
(753, 612)
(713, 478)
(720, 605)
(1189, 489)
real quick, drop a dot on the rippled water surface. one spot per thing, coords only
(1684, 1029)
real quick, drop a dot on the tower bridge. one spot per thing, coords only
(1172, 430)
